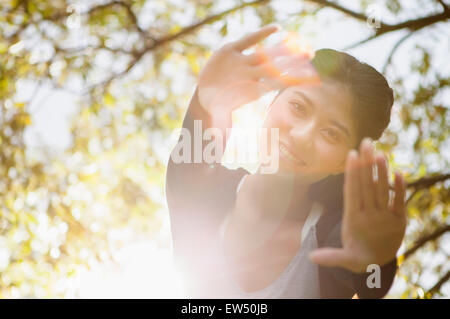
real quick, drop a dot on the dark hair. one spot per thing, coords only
(372, 100)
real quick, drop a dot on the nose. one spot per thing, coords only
(302, 136)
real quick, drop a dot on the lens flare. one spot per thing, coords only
(295, 44)
(289, 61)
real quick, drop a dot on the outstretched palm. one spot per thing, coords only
(373, 227)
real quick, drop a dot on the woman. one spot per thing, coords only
(304, 231)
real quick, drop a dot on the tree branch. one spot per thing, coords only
(437, 287)
(425, 239)
(350, 13)
(166, 39)
(428, 181)
(128, 9)
(394, 48)
(425, 182)
(66, 13)
(207, 20)
(81, 49)
(443, 4)
(413, 25)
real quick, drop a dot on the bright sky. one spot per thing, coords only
(151, 275)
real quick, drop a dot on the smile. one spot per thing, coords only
(285, 151)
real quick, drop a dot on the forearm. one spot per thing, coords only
(197, 120)
(188, 168)
(197, 194)
(366, 284)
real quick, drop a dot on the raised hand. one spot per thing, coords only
(373, 226)
(231, 79)
(222, 80)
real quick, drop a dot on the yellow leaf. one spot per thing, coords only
(193, 63)
(108, 99)
(400, 260)
(3, 48)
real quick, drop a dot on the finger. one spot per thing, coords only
(382, 184)
(288, 62)
(331, 257)
(264, 54)
(268, 74)
(352, 187)
(237, 94)
(253, 38)
(256, 58)
(261, 88)
(368, 186)
(266, 70)
(299, 74)
(271, 83)
(398, 206)
(295, 65)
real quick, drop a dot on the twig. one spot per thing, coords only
(351, 13)
(166, 39)
(413, 25)
(127, 7)
(394, 48)
(425, 182)
(428, 181)
(437, 287)
(425, 239)
(443, 4)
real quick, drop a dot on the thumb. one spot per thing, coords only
(331, 257)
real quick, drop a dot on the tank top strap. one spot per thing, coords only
(240, 183)
(312, 219)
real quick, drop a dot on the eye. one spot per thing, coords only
(298, 107)
(332, 134)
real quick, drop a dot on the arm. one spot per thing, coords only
(190, 186)
(229, 80)
(198, 196)
(387, 276)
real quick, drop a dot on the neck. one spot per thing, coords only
(278, 196)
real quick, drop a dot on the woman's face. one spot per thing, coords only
(316, 130)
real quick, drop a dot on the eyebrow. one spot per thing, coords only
(342, 127)
(334, 122)
(304, 97)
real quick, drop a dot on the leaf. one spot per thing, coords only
(224, 29)
(108, 99)
(193, 63)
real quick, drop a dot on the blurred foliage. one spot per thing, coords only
(133, 65)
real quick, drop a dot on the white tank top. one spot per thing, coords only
(299, 280)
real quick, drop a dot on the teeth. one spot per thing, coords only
(289, 155)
